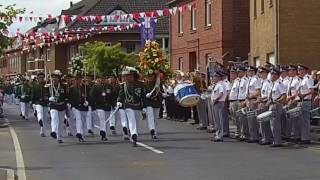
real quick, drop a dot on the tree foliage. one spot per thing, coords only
(7, 14)
(107, 60)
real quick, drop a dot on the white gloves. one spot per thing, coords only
(119, 104)
(52, 99)
(148, 95)
(23, 96)
(86, 103)
(69, 106)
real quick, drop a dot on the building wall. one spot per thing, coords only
(223, 36)
(299, 32)
(262, 31)
(12, 62)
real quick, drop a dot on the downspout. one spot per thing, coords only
(276, 25)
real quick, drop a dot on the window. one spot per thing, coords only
(257, 61)
(262, 6)
(193, 18)
(48, 55)
(180, 63)
(208, 12)
(123, 18)
(271, 58)
(129, 47)
(180, 22)
(255, 8)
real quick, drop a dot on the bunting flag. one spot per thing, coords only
(98, 18)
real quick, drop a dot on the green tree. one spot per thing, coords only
(107, 60)
(7, 14)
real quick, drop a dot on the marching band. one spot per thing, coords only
(267, 105)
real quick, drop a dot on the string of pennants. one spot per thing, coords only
(69, 18)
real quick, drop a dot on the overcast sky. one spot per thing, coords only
(39, 7)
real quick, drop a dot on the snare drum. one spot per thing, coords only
(186, 94)
(264, 117)
(294, 113)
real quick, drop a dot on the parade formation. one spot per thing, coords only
(268, 105)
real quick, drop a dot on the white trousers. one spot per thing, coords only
(89, 119)
(133, 116)
(57, 118)
(81, 117)
(152, 113)
(70, 119)
(42, 114)
(24, 107)
(119, 115)
(103, 116)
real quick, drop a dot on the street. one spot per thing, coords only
(180, 153)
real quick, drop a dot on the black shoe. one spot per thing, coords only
(217, 140)
(80, 138)
(104, 139)
(276, 145)
(125, 131)
(134, 140)
(226, 135)
(53, 135)
(23, 117)
(201, 128)
(90, 132)
(152, 132)
(20, 114)
(154, 137)
(35, 114)
(103, 136)
(70, 134)
(304, 142)
(42, 135)
(112, 128)
(60, 141)
(252, 141)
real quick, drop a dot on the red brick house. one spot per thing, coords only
(212, 30)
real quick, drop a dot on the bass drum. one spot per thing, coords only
(186, 94)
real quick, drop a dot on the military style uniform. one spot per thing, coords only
(277, 90)
(80, 106)
(242, 95)
(131, 98)
(153, 103)
(233, 107)
(25, 98)
(40, 98)
(58, 106)
(103, 101)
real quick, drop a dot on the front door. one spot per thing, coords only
(192, 61)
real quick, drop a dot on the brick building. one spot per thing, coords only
(212, 29)
(13, 61)
(285, 31)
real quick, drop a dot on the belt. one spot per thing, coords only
(233, 100)
(242, 100)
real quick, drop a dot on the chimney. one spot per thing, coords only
(71, 3)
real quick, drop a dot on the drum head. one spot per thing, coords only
(189, 101)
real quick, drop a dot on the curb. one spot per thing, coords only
(8, 174)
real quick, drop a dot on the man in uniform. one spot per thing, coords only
(218, 98)
(131, 98)
(253, 90)
(80, 105)
(40, 97)
(305, 95)
(233, 99)
(242, 95)
(153, 103)
(276, 98)
(262, 107)
(57, 105)
(88, 81)
(293, 125)
(25, 97)
(69, 119)
(103, 100)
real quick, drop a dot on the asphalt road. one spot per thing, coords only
(187, 155)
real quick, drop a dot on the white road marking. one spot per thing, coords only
(21, 172)
(142, 145)
(150, 148)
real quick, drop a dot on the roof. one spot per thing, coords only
(105, 7)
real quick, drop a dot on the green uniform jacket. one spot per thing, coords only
(102, 97)
(155, 100)
(134, 97)
(40, 94)
(115, 94)
(61, 97)
(25, 93)
(17, 92)
(78, 95)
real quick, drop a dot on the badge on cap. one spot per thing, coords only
(103, 94)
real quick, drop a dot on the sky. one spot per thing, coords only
(39, 7)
